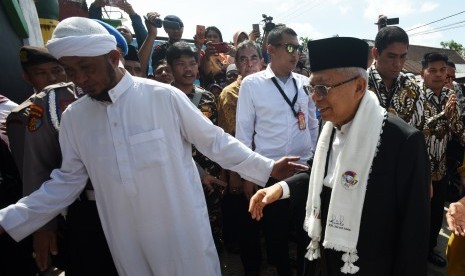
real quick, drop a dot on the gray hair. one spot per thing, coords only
(352, 71)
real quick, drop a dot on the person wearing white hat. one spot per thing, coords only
(132, 138)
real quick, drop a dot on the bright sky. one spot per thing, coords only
(317, 18)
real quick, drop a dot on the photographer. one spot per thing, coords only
(214, 59)
(172, 25)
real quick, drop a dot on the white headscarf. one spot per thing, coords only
(79, 36)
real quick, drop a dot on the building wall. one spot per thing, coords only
(11, 83)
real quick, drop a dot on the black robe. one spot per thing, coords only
(394, 227)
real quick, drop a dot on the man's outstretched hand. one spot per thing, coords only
(262, 198)
(456, 217)
(286, 167)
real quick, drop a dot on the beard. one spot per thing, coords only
(111, 75)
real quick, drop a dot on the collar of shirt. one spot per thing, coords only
(270, 74)
(429, 94)
(121, 87)
(379, 80)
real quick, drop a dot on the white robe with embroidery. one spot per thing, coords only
(137, 152)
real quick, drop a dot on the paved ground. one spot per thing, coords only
(231, 263)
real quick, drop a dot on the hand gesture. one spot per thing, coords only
(151, 29)
(450, 106)
(285, 167)
(126, 7)
(44, 244)
(254, 35)
(210, 50)
(456, 217)
(199, 41)
(262, 198)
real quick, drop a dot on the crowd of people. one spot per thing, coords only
(132, 157)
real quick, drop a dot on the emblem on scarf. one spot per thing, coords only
(349, 180)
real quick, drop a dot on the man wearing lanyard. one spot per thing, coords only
(396, 92)
(275, 117)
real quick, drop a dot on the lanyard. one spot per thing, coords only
(291, 104)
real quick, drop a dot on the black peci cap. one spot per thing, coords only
(337, 52)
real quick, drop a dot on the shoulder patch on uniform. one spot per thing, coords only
(36, 114)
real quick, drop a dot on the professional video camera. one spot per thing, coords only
(269, 25)
(383, 21)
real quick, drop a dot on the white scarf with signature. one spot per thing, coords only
(352, 170)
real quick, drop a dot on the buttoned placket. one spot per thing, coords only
(121, 147)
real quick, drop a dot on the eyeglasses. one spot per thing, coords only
(290, 48)
(246, 60)
(322, 91)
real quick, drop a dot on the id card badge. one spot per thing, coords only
(301, 120)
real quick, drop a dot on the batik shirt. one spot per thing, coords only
(460, 98)
(207, 106)
(404, 99)
(227, 105)
(439, 129)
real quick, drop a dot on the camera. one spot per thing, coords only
(383, 21)
(157, 22)
(269, 25)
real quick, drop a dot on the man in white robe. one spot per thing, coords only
(132, 137)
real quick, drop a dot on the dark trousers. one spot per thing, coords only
(87, 249)
(231, 217)
(437, 211)
(276, 226)
(16, 257)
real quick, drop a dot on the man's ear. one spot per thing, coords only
(115, 57)
(361, 86)
(269, 49)
(374, 52)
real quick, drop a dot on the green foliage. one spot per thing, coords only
(303, 42)
(454, 46)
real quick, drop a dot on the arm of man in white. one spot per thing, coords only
(65, 185)
(219, 146)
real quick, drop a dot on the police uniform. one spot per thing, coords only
(15, 127)
(16, 258)
(85, 242)
(17, 120)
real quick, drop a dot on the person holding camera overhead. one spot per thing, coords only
(214, 59)
(172, 25)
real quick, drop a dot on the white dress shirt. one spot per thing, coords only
(264, 119)
(137, 152)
